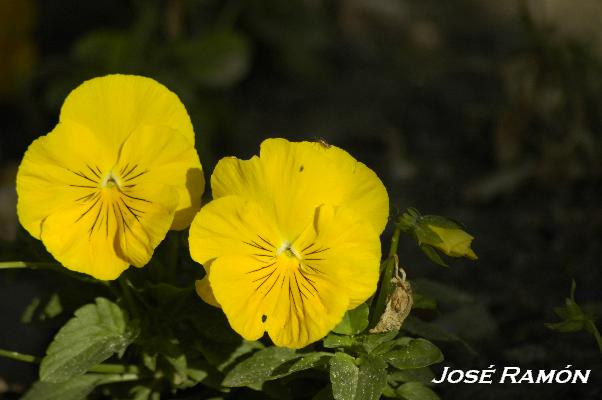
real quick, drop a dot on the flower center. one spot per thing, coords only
(110, 181)
(287, 249)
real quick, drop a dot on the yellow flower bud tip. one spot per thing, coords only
(454, 242)
(290, 241)
(118, 171)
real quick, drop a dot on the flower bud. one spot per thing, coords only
(455, 242)
(433, 232)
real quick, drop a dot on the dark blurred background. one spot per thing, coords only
(486, 112)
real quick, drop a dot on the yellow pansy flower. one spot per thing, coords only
(291, 240)
(454, 242)
(118, 171)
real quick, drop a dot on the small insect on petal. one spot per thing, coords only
(323, 142)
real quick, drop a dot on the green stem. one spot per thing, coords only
(53, 266)
(127, 296)
(395, 240)
(120, 378)
(100, 368)
(596, 333)
(387, 271)
(14, 355)
(23, 264)
(114, 369)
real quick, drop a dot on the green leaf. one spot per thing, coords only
(29, 312)
(308, 361)
(374, 342)
(333, 341)
(566, 326)
(95, 333)
(258, 368)
(575, 318)
(42, 309)
(150, 361)
(422, 375)
(424, 234)
(52, 308)
(441, 222)
(364, 381)
(198, 370)
(415, 391)
(433, 255)
(76, 388)
(165, 353)
(372, 378)
(388, 391)
(213, 326)
(413, 353)
(344, 376)
(179, 367)
(140, 393)
(573, 310)
(354, 321)
(222, 355)
(409, 219)
(593, 329)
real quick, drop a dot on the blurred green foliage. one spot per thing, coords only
(485, 108)
(575, 319)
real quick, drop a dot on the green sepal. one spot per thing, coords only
(432, 254)
(384, 290)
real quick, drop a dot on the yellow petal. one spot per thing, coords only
(56, 170)
(102, 234)
(226, 227)
(345, 247)
(203, 289)
(231, 226)
(298, 177)
(157, 155)
(306, 307)
(234, 290)
(144, 216)
(90, 226)
(82, 238)
(116, 105)
(295, 308)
